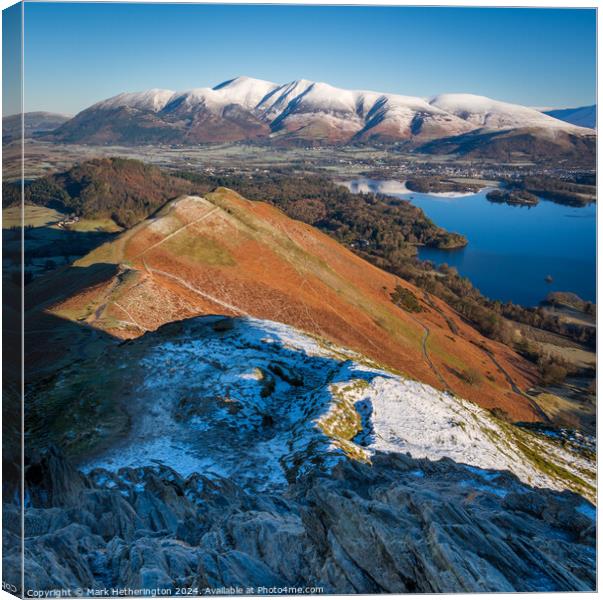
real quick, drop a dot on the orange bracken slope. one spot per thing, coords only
(223, 254)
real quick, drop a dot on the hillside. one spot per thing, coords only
(289, 399)
(583, 116)
(224, 396)
(34, 124)
(124, 190)
(518, 144)
(223, 254)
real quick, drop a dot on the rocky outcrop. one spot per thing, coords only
(396, 525)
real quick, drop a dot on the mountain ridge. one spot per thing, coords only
(35, 123)
(300, 111)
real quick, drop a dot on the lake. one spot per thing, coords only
(512, 249)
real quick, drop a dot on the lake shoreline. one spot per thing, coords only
(510, 251)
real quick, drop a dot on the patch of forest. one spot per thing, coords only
(124, 190)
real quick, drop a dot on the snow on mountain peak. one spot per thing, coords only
(154, 99)
(495, 114)
(246, 91)
(243, 81)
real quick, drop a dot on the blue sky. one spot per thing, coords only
(77, 54)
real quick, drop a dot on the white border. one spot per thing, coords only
(468, 3)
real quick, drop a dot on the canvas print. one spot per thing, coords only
(298, 300)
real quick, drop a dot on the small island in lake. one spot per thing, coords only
(430, 185)
(575, 190)
(515, 197)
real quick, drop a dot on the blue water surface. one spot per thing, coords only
(512, 249)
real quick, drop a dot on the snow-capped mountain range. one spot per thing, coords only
(245, 108)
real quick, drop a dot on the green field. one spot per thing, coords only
(36, 216)
(104, 225)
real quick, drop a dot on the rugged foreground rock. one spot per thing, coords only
(398, 525)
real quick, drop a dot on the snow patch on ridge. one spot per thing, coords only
(494, 114)
(263, 402)
(154, 100)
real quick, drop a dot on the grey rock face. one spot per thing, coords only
(398, 525)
